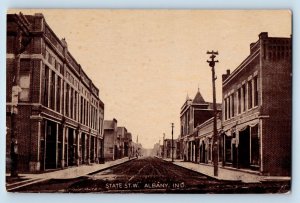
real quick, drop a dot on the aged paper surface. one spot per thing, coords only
(124, 101)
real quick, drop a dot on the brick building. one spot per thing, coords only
(257, 109)
(117, 141)
(110, 139)
(127, 144)
(53, 108)
(121, 136)
(193, 113)
(167, 148)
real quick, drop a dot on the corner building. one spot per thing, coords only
(257, 109)
(192, 114)
(59, 119)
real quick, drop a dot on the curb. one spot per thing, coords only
(212, 177)
(37, 180)
(103, 169)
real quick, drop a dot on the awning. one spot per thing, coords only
(243, 126)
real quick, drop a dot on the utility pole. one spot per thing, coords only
(164, 144)
(212, 63)
(172, 125)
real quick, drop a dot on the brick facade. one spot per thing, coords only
(254, 127)
(258, 95)
(59, 118)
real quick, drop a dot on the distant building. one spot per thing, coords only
(110, 139)
(127, 143)
(167, 148)
(53, 109)
(121, 136)
(193, 113)
(117, 141)
(257, 109)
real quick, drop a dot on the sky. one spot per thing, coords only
(146, 62)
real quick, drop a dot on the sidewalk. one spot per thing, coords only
(228, 174)
(68, 173)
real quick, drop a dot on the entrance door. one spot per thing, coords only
(50, 157)
(71, 149)
(228, 150)
(202, 152)
(83, 148)
(244, 148)
(92, 149)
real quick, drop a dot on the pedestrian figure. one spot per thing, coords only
(14, 157)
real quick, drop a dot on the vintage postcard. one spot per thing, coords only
(148, 101)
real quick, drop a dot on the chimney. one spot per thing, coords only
(263, 35)
(252, 50)
(64, 42)
(225, 76)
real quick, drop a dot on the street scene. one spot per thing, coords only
(148, 101)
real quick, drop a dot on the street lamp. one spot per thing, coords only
(212, 63)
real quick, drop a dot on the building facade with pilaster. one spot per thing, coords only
(57, 118)
(257, 109)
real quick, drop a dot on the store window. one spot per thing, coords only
(254, 146)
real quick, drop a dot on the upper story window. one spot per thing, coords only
(24, 80)
(250, 94)
(225, 108)
(232, 105)
(46, 85)
(239, 98)
(244, 95)
(229, 107)
(67, 103)
(52, 90)
(25, 85)
(58, 93)
(255, 89)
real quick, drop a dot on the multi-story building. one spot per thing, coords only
(193, 113)
(257, 108)
(54, 113)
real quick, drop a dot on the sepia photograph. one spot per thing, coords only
(148, 101)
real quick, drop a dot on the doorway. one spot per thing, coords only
(244, 148)
(51, 147)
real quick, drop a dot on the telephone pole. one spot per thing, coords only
(212, 63)
(164, 137)
(172, 125)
